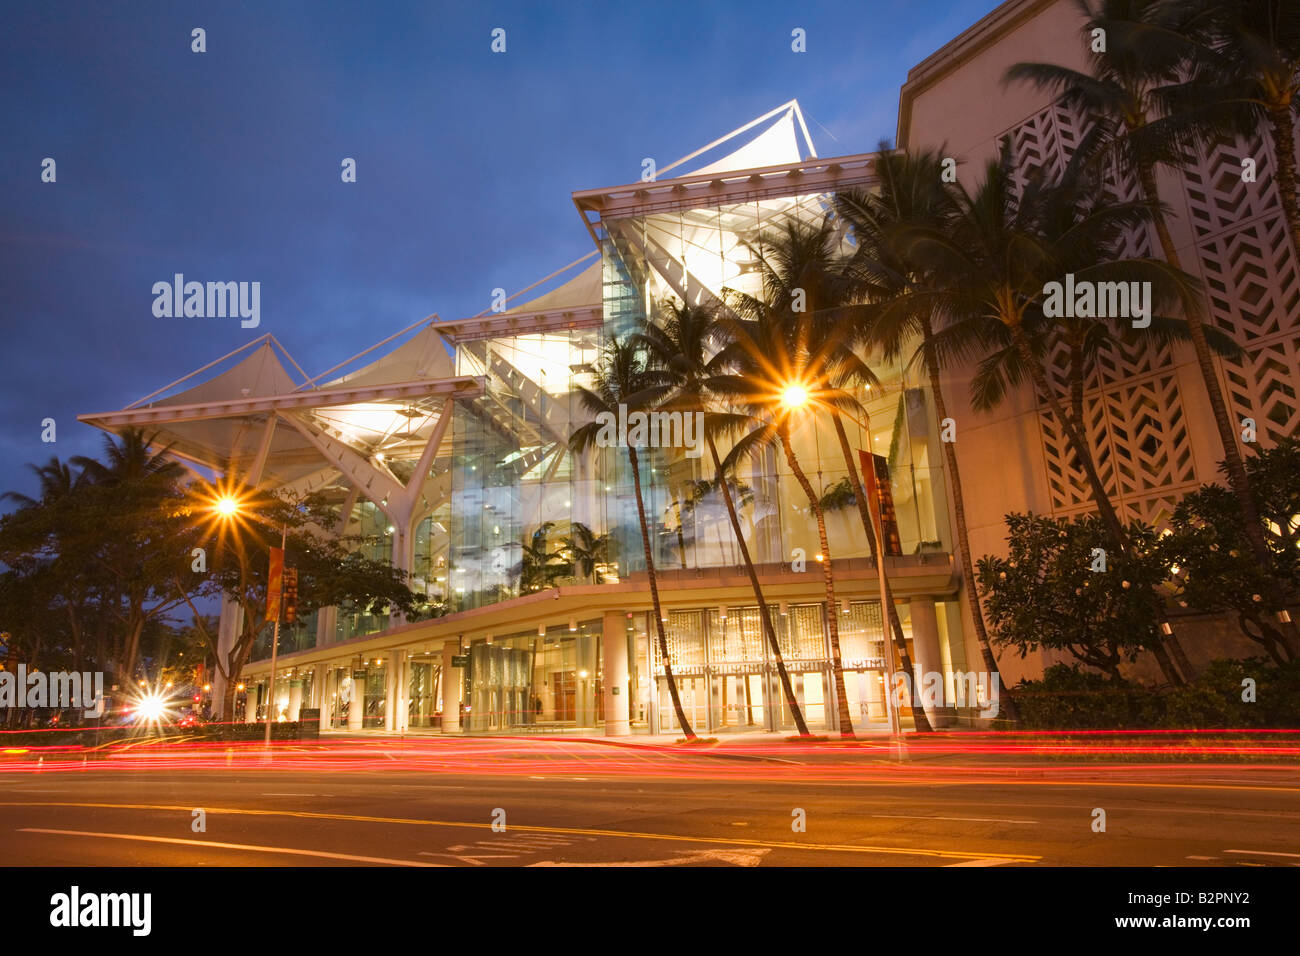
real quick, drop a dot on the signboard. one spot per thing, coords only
(359, 675)
(274, 584)
(460, 660)
(875, 475)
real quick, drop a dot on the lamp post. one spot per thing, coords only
(891, 665)
(227, 506)
(794, 396)
(275, 645)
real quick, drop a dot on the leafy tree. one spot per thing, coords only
(1213, 566)
(238, 566)
(1044, 594)
(1128, 91)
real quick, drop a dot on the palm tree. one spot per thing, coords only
(586, 551)
(911, 194)
(128, 459)
(56, 481)
(805, 261)
(998, 253)
(993, 258)
(781, 367)
(539, 567)
(1243, 75)
(683, 344)
(621, 378)
(1122, 94)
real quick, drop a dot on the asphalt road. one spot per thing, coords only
(564, 803)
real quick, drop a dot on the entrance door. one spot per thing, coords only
(694, 693)
(809, 692)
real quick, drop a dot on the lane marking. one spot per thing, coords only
(213, 844)
(983, 862)
(913, 816)
(1202, 857)
(580, 831)
(1291, 856)
(734, 857)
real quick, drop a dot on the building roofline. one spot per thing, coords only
(733, 186)
(967, 44)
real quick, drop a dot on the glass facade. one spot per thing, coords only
(510, 510)
(728, 679)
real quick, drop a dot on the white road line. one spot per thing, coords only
(140, 838)
(982, 863)
(1293, 856)
(914, 816)
(734, 857)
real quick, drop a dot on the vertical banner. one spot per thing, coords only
(875, 475)
(274, 584)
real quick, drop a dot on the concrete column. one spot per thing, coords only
(586, 689)
(295, 698)
(320, 692)
(925, 646)
(326, 621)
(357, 706)
(250, 708)
(390, 693)
(615, 684)
(452, 679)
(394, 719)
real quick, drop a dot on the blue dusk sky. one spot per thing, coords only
(225, 165)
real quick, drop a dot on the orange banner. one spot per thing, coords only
(274, 584)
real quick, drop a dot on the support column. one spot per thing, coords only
(250, 706)
(390, 692)
(326, 622)
(394, 695)
(616, 687)
(357, 704)
(295, 698)
(925, 647)
(320, 691)
(452, 679)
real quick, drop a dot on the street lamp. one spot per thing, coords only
(794, 396)
(228, 506)
(878, 527)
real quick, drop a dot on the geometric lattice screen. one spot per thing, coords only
(1132, 411)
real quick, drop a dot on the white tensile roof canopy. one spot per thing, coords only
(379, 429)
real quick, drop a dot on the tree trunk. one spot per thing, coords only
(1282, 126)
(1166, 665)
(889, 618)
(654, 598)
(1105, 509)
(764, 611)
(681, 538)
(832, 611)
(1234, 464)
(959, 519)
(1180, 658)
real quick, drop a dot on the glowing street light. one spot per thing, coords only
(227, 505)
(794, 396)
